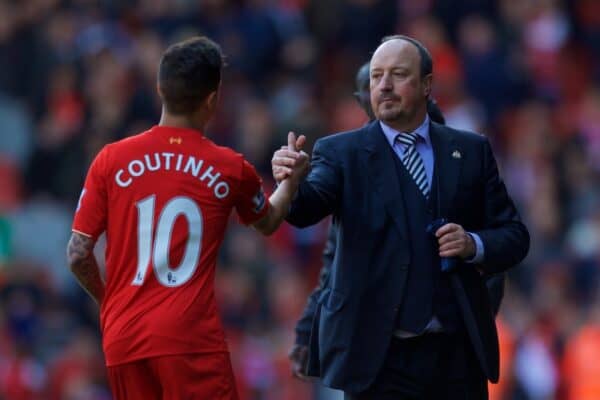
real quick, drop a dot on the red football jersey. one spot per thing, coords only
(164, 198)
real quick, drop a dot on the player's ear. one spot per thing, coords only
(212, 99)
(158, 90)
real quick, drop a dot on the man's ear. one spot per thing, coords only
(212, 99)
(427, 85)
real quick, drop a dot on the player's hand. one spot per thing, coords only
(295, 143)
(301, 168)
(290, 160)
(298, 356)
(454, 241)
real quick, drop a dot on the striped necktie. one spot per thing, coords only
(413, 162)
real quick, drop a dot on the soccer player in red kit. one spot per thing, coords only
(164, 197)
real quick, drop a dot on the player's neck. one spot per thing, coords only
(182, 121)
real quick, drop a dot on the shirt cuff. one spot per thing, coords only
(479, 250)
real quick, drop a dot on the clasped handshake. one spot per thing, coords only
(290, 162)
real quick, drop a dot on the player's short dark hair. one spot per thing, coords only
(426, 60)
(188, 72)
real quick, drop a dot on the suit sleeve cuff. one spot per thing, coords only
(479, 250)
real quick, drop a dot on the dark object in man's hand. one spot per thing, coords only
(448, 264)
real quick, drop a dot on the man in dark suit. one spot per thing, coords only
(299, 352)
(298, 355)
(391, 324)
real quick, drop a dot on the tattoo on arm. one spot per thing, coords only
(80, 253)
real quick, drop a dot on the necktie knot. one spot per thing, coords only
(407, 139)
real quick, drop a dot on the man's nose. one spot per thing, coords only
(385, 84)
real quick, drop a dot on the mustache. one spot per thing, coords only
(385, 97)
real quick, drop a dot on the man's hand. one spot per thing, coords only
(299, 358)
(290, 161)
(454, 241)
(290, 168)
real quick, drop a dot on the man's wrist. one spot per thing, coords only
(472, 246)
(289, 189)
(479, 251)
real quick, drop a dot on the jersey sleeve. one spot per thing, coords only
(252, 203)
(91, 212)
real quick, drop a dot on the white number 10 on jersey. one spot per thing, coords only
(155, 246)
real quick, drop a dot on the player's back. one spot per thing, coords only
(169, 193)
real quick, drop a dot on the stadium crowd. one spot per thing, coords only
(78, 74)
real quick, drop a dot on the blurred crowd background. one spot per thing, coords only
(75, 75)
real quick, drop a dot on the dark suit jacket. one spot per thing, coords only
(353, 178)
(493, 282)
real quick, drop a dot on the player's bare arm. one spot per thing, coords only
(280, 202)
(282, 197)
(83, 264)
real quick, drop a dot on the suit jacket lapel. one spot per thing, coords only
(382, 173)
(448, 163)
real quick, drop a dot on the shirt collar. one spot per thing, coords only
(423, 131)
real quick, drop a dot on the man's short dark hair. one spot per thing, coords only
(434, 112)
(189, 71)
(426, 60)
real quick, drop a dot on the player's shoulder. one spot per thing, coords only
(127, 142)
(226, 156)
(114, 151)
(229, 160)
(222, 151)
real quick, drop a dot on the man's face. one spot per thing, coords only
(397, 89)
